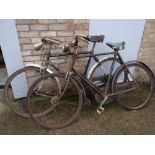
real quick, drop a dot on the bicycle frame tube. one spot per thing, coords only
(124, 64)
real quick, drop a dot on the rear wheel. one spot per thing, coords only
(139, 86)
(65, 106)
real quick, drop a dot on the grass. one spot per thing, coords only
(115, 120)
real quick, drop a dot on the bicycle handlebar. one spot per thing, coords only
(74, 44)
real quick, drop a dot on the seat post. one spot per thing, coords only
(93, 47)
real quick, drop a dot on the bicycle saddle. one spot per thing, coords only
(116, 46)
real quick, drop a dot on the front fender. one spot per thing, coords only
(39, 66)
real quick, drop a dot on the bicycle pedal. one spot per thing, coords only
(100, 110)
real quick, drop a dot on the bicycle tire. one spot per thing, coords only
(18, 109)
(45, 122)
(141, 78)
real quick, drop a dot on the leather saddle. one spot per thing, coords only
(116, 46)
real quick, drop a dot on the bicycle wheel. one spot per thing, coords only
(16, 88)
(138, 85)
(100, 74)
(65, 107)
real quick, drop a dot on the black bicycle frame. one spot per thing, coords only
(91, 54)
(88, 82)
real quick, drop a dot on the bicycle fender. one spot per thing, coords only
(94, 66)
(81, 87)
(48, 71)
(39, 66)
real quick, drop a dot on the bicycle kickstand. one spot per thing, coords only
(100, 109)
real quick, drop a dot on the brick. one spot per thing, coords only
(69, 39)
(64, 20)
(24, 41)
(31, 58)
(62, 39)
(81, 63)
(38, 62)
(150, 20)
(150, 30)
(28, 34)
(56, 61)
(84, 32)
(46, 21)
(26, 21)
(22, 28)
(65, 33)
(35, 40)
(36, 52)
(48, 33)
(38, 27)
(28, 58)
(82, 26)
(27, 47)
(148, 44)
(58, 27)
(26, 53)
(80, 21)
(36, 58)
(81, 69)
(63, 66)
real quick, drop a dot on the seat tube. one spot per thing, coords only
(110, 75)
(89, 60)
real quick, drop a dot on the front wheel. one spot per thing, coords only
(65, 106)
(136, 91)
(16, 88)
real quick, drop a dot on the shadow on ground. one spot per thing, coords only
(115, 120)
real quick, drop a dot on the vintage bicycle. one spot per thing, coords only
(132, 84)
(18, 83)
